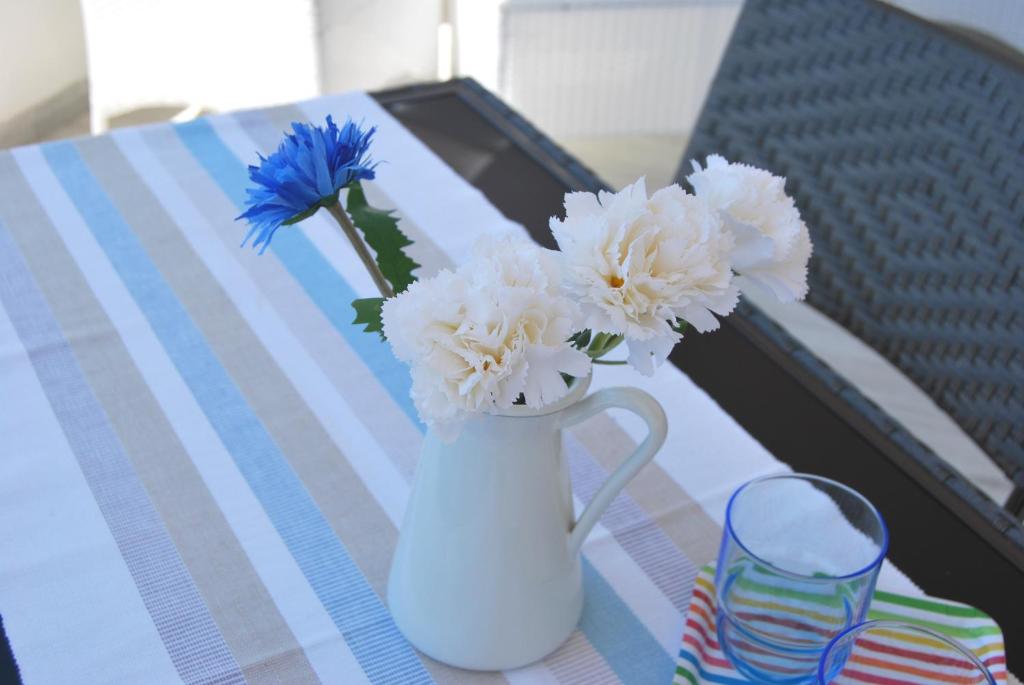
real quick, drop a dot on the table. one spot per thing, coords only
(244, 496)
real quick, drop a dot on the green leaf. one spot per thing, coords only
(368, 312)
(580, 340)
(380, 228)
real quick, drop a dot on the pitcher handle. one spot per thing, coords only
(644, 406)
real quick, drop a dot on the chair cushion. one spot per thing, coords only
(884, 384)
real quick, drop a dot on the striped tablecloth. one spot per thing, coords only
(203, 464)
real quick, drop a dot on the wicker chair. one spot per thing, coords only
(904, 148)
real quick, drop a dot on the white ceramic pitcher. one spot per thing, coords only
(486, 574)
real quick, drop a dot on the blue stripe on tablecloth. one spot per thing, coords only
(190, 635)
(618, 635)
(352, 604)
(626, 644)
(324, 285)
(709, 677)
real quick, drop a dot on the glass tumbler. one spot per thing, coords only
(895, 652)
(799, 559)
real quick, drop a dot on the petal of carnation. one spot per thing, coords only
(785, 279)
(646, 355)
(699, 317)
(752, 247)
(496, 328)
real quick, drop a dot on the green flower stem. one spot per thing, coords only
(611, 362)
(349, 229)
(603, 343)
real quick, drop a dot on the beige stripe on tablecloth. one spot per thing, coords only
(568, 666)
(350, 509)
(266, 651)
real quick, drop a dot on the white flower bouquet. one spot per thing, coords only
(517, 322)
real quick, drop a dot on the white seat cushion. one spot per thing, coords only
(889, 388)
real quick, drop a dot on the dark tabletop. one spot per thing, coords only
(948, 548)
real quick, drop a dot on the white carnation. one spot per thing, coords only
(636, 264)
(478, 338)
(773, 245)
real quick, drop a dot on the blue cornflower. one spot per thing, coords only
(307, 171)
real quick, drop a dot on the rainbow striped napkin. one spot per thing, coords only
(701, 660)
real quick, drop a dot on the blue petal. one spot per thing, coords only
(311, 163)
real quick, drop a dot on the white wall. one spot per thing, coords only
(217, 54)
(478, 40)
(586, 68)
(1002, 19)
(373, 44)
(42, 50)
